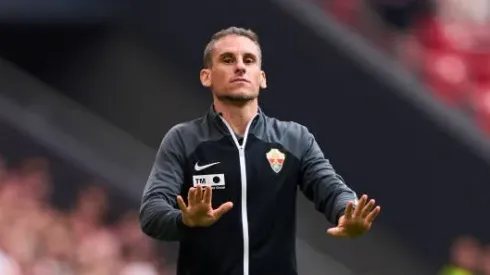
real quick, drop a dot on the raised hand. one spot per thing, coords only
(356, 222)
(199, 211)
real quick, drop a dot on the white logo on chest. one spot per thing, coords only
(216, 181)
(276, 159)
(198, 167)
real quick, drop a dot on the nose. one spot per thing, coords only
(240, 67)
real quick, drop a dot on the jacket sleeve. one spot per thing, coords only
(160, 217)
(321, 184)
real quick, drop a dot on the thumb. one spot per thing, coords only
(225, 207)
(336, 232)
(181, 204)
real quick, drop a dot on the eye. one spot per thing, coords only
(227, 58)
(249, 60)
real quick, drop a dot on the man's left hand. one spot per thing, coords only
(356, 222)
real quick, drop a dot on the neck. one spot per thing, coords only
(238, 116)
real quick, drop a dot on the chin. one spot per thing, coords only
(238, 97)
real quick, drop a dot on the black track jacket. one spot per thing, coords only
(260, 173)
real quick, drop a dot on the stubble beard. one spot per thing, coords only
(239, 99)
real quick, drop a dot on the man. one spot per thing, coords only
(234, 175)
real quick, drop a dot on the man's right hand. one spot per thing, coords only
(199, 212)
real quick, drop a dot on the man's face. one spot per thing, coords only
(235, 74)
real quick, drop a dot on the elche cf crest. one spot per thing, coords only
(276, 159)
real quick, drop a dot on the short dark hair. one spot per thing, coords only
(208, 60)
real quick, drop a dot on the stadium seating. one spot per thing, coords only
(452, 57)
(39, 238)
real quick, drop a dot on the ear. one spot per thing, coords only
(205, 76)
(263, 80)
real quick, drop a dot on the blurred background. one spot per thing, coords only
(397, 93)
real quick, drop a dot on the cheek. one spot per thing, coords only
(219, 78)
(258, 80)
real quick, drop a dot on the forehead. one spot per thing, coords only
(235, 44)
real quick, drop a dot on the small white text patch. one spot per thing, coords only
(216, 181)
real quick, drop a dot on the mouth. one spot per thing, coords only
(240, 80)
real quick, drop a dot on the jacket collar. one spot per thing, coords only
(215, 118)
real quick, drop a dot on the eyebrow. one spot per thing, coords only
(228, 54)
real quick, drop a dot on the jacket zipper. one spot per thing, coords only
(243, 174)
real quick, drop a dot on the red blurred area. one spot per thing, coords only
(36, 238)
(445, 42)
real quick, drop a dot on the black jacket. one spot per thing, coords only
(260, 173)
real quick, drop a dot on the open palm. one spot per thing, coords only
(356, 222)
(199, 211)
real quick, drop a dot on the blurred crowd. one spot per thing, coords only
(37, 238)
(446, 43)
(468, 257)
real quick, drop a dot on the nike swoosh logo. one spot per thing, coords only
(199, 168)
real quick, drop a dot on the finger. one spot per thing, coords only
(208, 193)
(198, 198)
(360, 205)
(367, 208)
(191, 196)
(181, 203)
(225, 207)
(370, 218)
(336, 232)
(348, 210)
